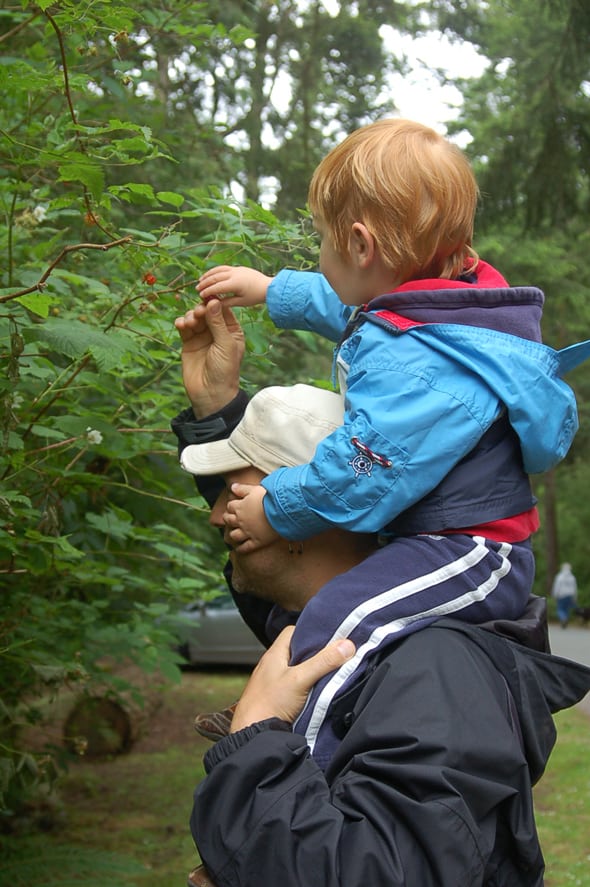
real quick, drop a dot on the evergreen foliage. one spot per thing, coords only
(528, 117)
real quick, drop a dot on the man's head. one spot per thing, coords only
(413, 190)
(281, 427)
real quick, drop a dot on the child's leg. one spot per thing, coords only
(402, 588)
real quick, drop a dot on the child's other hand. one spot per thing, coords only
(245, 517)
(238, 286)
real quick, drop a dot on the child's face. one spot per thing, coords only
(338, 269)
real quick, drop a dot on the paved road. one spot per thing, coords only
(572, 643)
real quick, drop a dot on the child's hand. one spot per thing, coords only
(239, 286)
(249, 528)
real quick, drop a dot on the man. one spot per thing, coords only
(435, 742)
(565, 592)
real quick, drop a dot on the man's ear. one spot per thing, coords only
(361, 245)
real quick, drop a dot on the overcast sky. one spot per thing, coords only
(419, 96)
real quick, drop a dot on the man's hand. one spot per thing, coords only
(279, 690)
(248, 527)
(239, 286)
(212, 351)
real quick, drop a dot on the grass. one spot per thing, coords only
(562, 802)
(126, 819)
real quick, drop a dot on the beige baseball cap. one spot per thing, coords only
(281, 427)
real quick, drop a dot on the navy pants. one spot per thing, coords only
(401, 588)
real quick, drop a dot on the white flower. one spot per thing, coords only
(93, 436)
(17, 401)
(39, 213)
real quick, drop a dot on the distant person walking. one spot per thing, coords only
(565, 592)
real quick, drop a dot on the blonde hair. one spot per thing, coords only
(413, 190)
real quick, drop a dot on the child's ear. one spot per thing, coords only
(362, 245)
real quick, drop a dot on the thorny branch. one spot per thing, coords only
(73, 247)
(62, 51)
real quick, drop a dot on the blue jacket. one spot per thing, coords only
(422, 399)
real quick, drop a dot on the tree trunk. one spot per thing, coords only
(551, 530)
(97, 722)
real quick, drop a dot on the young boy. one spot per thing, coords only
(451, 400)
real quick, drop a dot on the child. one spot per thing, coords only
(446, 384)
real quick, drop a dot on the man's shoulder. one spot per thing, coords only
(441, 647)
(450, 653)
(434, 666)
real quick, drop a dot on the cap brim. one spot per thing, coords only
(215, 457)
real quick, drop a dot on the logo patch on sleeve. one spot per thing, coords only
(365, 459)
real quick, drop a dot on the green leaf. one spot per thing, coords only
(82, 282)
(38, 303)
(146, 236)
(133, 192)
(259, 214)
(117, 525)
(75, 339)
(170, 197)
(82, 170)
(51, 673)
(172, 242)
(13, 496)
(45, 432)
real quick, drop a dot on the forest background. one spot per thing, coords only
(139, 145)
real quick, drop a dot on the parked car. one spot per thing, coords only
(213, 633)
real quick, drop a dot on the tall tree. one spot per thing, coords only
(305, 78)
(529, 119)
(529, 114)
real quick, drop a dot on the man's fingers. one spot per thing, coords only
(217, 323)
(329, 659)
(190, 322)
(283, 642)
(277, 689)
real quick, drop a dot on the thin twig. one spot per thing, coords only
(17, 28)
(62, 51)
(73, 247)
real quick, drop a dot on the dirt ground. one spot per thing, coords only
(169, 722)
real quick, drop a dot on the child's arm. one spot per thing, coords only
(298, 300)
(239, 286)
(249, 528)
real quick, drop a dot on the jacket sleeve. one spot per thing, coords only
(304, 300)
(190, 430)
(428, 777)
(411, 407)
